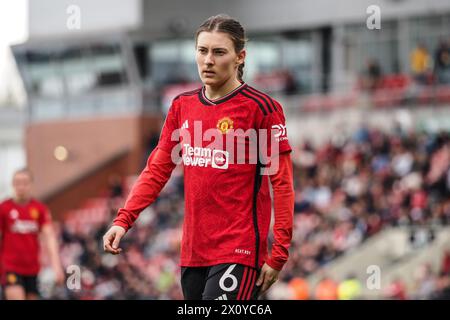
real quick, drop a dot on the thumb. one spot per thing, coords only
(261, 278)
(116, 242)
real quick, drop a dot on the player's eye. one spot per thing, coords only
(220, 52)
(202, 50)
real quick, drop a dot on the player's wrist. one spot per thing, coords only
(124, 226)
(274, 264)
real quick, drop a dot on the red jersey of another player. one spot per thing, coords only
(19, 228)
(227, 204)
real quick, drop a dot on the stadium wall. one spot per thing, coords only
(163, 18)
(96, 149)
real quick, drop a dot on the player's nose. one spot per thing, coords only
(209, 59)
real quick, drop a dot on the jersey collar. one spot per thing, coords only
(228, 96)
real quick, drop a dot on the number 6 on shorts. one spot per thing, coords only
(228, 275)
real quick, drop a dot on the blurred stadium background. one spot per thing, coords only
(368, 113)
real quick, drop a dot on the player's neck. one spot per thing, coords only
(213, 93)
(21, 201)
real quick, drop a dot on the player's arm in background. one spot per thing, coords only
(148, 185)
(49, 238)
(281, 177)
(283, 198)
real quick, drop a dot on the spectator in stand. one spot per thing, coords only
(115, 186)
(442, 290)
(396, 290)
(442, 63)
(442, 281)
(291, 83)
(372, 75)
(326, 289)
(425, 282)
(446, 263)
(349, 289)
(299, 288)
(421, 63)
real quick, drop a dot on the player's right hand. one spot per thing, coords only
(111, 239)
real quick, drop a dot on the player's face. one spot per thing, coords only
(22, 185)
(217, 60)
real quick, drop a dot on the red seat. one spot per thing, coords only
(426, 95)
(311, 103)
(443, 94)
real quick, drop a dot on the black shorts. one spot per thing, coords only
(227, 281)
(29, 283)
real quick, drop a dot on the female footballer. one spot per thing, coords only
(224, 251)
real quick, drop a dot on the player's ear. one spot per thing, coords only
(241, 57)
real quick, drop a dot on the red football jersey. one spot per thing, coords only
(19, 227)
(227, 199)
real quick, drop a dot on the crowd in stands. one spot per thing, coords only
(346, 191)
(427, 82)
(425, 68)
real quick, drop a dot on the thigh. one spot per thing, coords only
(14, 292)
(193, 281)
(231, 282)
(13, 286)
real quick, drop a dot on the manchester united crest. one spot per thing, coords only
(11, 278)
(224, 125)
(34, 213)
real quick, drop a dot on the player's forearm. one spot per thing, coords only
(52, 246)
(147, 187)
(283, 193)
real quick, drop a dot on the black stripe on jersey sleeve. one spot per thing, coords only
(262, 99)
(243, 92)
(264, 95)
(188, 93)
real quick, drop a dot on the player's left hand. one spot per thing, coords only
(267, 277)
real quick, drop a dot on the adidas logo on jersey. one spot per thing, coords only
(222, 297)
